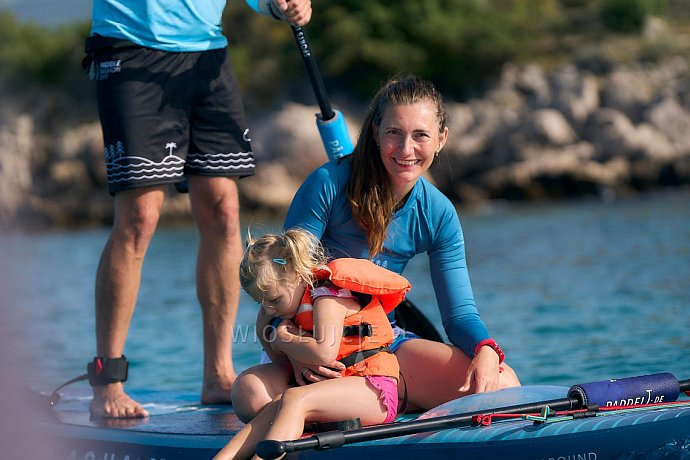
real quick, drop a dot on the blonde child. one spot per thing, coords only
(319, 318)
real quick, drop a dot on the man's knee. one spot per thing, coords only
(137, 214)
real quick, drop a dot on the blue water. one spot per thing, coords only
(574, 292)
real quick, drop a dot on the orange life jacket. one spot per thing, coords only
(367, 334)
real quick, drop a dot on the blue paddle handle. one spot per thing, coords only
(644, 389)
(335, 137)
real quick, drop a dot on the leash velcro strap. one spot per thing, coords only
(358, 330)
(359, 356)
(103, 371)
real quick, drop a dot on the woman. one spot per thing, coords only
(375, 204)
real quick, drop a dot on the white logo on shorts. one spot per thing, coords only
(245, 135)
(106, 68)
(170, 146)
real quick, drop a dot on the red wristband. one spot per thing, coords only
(491, 343)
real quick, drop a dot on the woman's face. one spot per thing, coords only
(408, 137)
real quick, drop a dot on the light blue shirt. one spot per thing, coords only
(427, 223)
(168, 25)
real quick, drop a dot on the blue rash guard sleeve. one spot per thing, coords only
(451, 280)
(427, 223)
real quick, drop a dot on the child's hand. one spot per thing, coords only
(286, 332)
(288, 327)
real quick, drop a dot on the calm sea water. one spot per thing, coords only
(574, 292)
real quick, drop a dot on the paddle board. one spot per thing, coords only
(181, 428)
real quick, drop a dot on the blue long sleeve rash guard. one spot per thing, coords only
(427, 223)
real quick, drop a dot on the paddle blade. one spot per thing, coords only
(408, 317)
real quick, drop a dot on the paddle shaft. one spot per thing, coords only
(327, 112)
(331, 439)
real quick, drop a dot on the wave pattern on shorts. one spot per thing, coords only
(221, 162)
(127, 169)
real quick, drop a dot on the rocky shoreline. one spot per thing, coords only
(534, 135)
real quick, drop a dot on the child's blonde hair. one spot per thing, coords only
(278, 257)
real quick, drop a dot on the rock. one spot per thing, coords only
(550, 127)
(612, 132)
(577, 94)
(628, 92)
(17, 142)
(673, 120)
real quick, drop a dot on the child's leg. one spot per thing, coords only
(258, 386)
(327, 401)
(242, 445)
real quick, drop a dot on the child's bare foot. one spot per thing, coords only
(111, 401)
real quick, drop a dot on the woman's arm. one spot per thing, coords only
(451, 280)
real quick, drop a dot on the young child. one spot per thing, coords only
(322, 312)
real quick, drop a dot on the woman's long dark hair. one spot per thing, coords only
(370, 190)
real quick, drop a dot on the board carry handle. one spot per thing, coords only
(271, 449)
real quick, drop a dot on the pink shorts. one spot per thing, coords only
(388, 387)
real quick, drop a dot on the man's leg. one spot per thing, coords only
(215, 207)
(117, 287)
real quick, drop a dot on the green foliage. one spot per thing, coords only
(629, 15)
(453, 42)
(31, 54)
(359, 43)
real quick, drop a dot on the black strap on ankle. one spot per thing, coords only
(100, 371)
(103, 371)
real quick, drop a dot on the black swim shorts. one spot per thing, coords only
(166, 115)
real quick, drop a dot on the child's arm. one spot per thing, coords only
(267, 337)
(322, 348)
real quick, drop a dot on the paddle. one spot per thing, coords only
(577, 398)
(410, 318)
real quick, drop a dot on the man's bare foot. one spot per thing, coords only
(217, 392)
(111, 401)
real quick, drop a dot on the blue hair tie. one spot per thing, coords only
(280, 261)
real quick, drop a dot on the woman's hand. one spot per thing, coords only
(310, 373)
(483, 372)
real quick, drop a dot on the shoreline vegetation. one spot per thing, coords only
(548, 100)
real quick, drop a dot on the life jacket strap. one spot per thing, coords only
(358, 330)
(359, 356)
